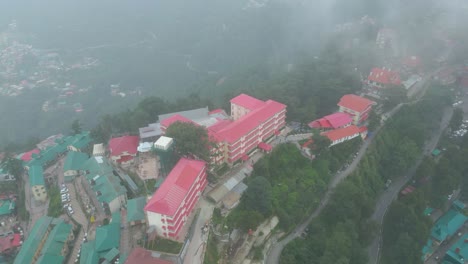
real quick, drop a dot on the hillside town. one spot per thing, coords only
(135, 199)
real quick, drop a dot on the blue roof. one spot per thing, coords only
(447, 225)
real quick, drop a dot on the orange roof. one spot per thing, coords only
(340, 133)
(355, 103)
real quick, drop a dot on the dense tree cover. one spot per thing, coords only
(457, 119)
(288, 185)
(76, 127)
(190, 140)
(146, 112)
(343, 230)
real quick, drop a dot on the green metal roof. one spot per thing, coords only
(135, 209)
(428, 211)
(447, 225)
(88, 253)
(56, 239)
(36, 176)
(436, 152)
(50, 259)
(31, 244)
(6, 207)
(109, 186)
(107, 237)
(111, 254)
(453, 257)
(80, 141)
(97, 166)
(75, 161)
(116, 218)
(459, 205)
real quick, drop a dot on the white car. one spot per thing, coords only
(63, 191)
(70, 210)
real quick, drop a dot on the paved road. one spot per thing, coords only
(274, 253)
(392, 192)
(196, 249)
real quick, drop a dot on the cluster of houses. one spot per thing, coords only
(347, 123)
(448, 227)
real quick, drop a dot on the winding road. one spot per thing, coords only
(275, 251)
(391, 193)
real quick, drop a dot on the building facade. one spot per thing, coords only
(168, 209)
(357, 107)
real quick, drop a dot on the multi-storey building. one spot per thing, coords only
(356, 106)
(169, 208)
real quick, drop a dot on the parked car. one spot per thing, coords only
(64, 191)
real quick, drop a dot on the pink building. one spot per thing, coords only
(333, 121)
(357, 107)
(169, 208)
(253, 122)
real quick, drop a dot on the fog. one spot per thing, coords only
(133, 49)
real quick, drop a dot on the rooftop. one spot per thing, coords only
(36, 176)
(458, 253)
(107, 237)
(56, 240)
(168, 197)
(247, 101)
(384, 76)
(135, 209)
(99, 150)
(340, 133)
(193, 114)
(355, 103)
(31, 244)
(125, 144)
(175, 118)
(75, 161)
(334, 120)
(6, 207)
(27, 156)
(235, 130)
(448, 225)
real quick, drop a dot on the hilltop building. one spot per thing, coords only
(380, 78)
(333, 121)
(341, 135)
(37, 183)
(123, 149)
(73, 164)
(170, 206)
(357, 107)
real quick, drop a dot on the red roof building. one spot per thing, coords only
(142, 256)
(341, 135)
(333, 121)
(355, 106)
(252, 121)
(173, 201)
(411, 62)
(27, 156)
(123, 149)
(381, 77)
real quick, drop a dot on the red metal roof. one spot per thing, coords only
(169, 196)
(308, 142)
(118, 146)
(28, 155)
(355, 103)
(215, 111)
(340, 133)
(242, 126)
(247, 101)
(265, 146)
(16, 240)
(334, 120)
(125, 158)
(170, 120)
(142, 256)
(384, 76)
(362, 129)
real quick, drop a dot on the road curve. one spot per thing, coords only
(391, 193)
(274, 253)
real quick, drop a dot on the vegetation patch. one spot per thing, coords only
(164, 245)
(55, 205)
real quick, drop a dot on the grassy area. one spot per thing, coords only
(211, 255)
(164, 245)
(55, 205)
(23, 214)
(8, 187)
(150, 186)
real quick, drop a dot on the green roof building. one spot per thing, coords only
(47, 243)
(36, 176)
(79, 141)
(6, 207)
(30, 246)
(459, 205)
(37, 183)
(106, 185)
(104, 247)
(74, 162)
(458, 253)
(88, 254)
(135, 213)
(448, 225)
